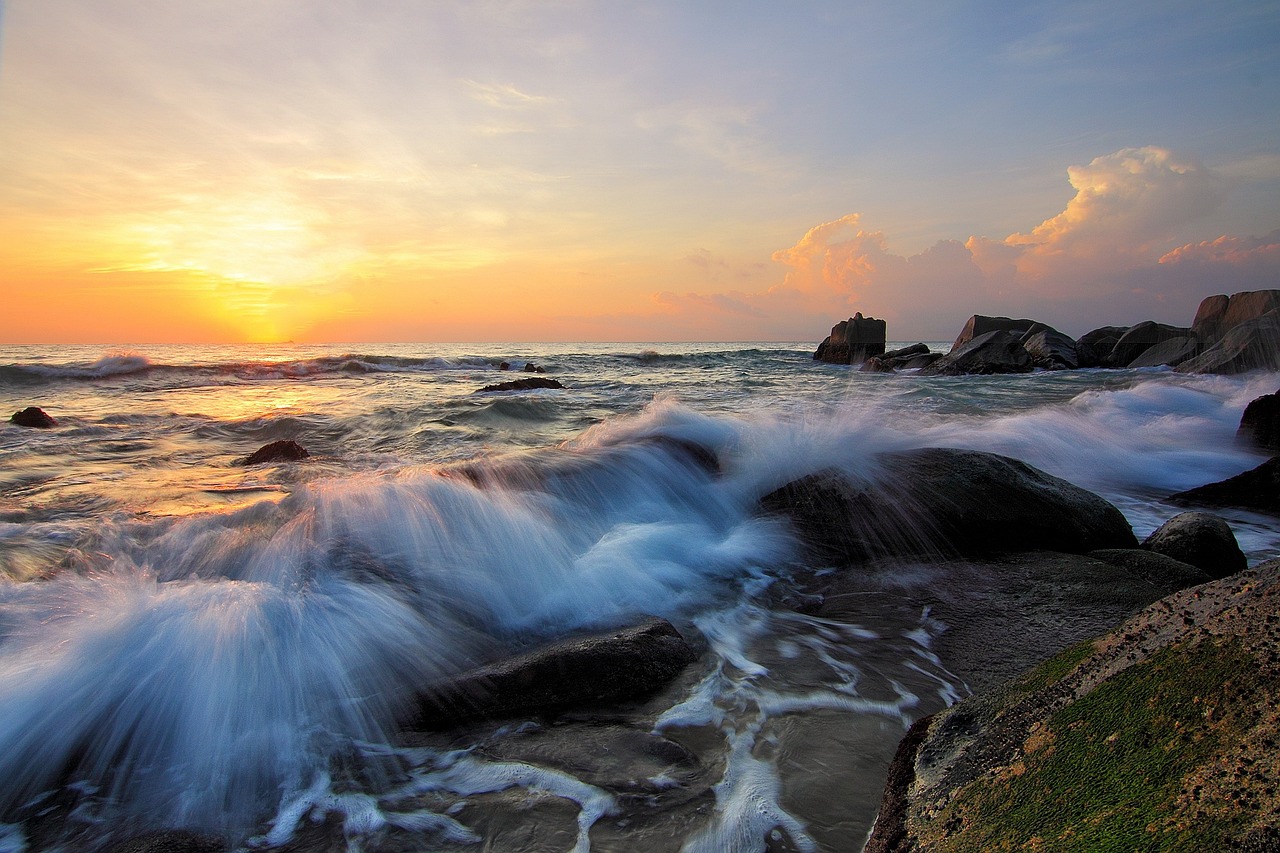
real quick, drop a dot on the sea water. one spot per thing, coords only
(189, 642)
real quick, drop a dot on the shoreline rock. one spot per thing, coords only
(277, 451)
(529, 384)
(852, 341)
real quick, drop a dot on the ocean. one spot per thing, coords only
(189, 642)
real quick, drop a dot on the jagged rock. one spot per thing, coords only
(852, 341)
(33, 416)
(1253, 344)
(937, 500)
(521, 385)
(1051, 350)
(600, 668)
(993, 352)
(1257, 489)
(1159, 735)
(1140, 338)
(980, 324)
(276, 451)
(1171, 352)
(1260, 423)
(1200, 539)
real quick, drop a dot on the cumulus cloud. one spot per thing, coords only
(1111, 256)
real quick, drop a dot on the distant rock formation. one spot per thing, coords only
(852, 341)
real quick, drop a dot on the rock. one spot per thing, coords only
(1171, 352)
(1251, 345)
(521, 385)
(875, 364)
(1208, 324)
(1200, 539)
(914, 357)
(1257, 489)
(1159, 735)
(1157, 569)
(852, 341)
(32, 416)
(980, 324)
(613, 666)
(506, 365)
(992, 352)
(906, 352)
(171, 841)
(530, 367)
(1093, 349)
(1140, 338)
(1218, 315)
(276, 451)
(1260, 423)
(1051, 350)
(937, 500)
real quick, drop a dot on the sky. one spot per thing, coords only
(428, 170)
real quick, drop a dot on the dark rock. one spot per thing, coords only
(608, 667)
(1093, 349)
(897, 791)
(1253, 344)
(1051, 350)
(276, 451)
(914, 357)
(919, 362)
(521, 385)
(852, 341)
(1200, 539)
(1257, 489)
(1140, 338)
(992, 352)
(907, 352)
(171, 841)
(1157, 569)
(980, 324)
(32, 416)
(938, 500)
(1260, 423)
(530, 367)
(1218, 315)
(1210, 317)
(1171, 352)
(875, 365)
(506, 365)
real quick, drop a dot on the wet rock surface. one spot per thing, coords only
(276, 451)
(1257, 489)
(1200, 539)
(529, 384)
(33, 416)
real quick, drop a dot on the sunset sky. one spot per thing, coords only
(422, 170)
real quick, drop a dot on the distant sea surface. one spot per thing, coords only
(189, 642)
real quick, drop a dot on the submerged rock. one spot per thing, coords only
(1260, 423)
(1257, 489)
(613, 666)
(943, 501)
(1159, 735)
(33, 416)
(521, 385)
(276, 451)
(1200, 539)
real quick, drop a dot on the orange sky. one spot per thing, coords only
(520, 171)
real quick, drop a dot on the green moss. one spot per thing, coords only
(1052, 670)
(1105, 772)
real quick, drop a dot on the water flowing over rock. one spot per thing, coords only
(276, 451)
(33, 416)
(1159, 735)
(1219, 314)
(1253, 344)
(993, 352)
(1200, 539)
(600, 668)
(852, 341)
(1260, 423)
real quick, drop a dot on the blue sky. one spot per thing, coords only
(392, 170)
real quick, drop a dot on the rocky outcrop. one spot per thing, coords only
(529, 384)
(600, 668)
(1200, 539)
(1093, 348)
(1170, 352)
(992, 352)
(1138, 339)
(1051, 350)
(33, 416)
(980, 324)
(276, 451)
(943, 501)
(852, 341)
(1253, 344)
(1260, 424)
(912, 357)
(1219, 314)
(1257, 489)
(1159, 735)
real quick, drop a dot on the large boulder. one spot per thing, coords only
(1171, 352)
(852, 341)
(911, 357)
(980, 324)
(1160, 735)
(1260, 424)
(1051, 350)
(1093, 349)
(605, 667)
(1257, 489)
(992, 352)
(1140, 338)
(1219, 314)
(33, 416)
(944, 501)
(1253, 344)
(1200, 539)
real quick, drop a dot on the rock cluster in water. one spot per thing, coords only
(1230, 334)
